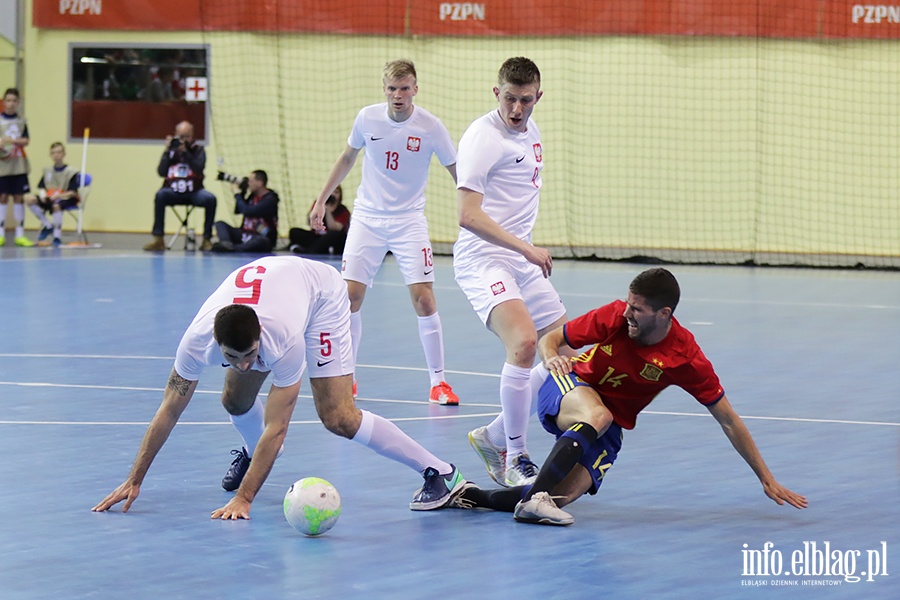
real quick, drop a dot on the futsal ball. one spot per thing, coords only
(312, 506)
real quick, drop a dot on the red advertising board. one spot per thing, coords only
(806, 19)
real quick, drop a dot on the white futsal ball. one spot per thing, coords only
(312, 506)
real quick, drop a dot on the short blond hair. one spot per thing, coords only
(398, 69)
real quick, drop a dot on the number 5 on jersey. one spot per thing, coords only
(325, 348)
(243, 282)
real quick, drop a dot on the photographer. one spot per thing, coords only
(330, 241)
(182, 165)
(259, 229)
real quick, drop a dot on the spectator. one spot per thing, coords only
(330, 241)
(182, 165)
(259, 229)
(57, 191)
(160, 87)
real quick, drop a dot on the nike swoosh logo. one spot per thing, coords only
(375, 139)
(428, 272)
(518, 160)
(322, 364)
(515, 438)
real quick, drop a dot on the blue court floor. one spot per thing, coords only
(808, 357)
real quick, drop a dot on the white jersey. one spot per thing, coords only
(505, 166)
(396, 160)
(284, 291)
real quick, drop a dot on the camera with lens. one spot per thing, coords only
(175, 143)
(242, 182)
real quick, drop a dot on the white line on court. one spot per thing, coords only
(385, 401)
(604, 298)
(450, 417)
(87, 356)
(172, 358)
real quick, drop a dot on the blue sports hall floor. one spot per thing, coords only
(808, 357)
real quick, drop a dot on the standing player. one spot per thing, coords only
(504, 276)
(278, 314)
(389, 210)
(638, 350)
(14, 166)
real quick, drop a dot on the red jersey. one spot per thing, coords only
(627, 375)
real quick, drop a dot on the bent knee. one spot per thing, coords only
(425, 305)
(599, 416)
(344, 423)
(236, 406)
(523, 349)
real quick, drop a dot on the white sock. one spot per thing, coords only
(250, 425)
(496, 434)
(39, 213)
(19, 214)
(57, 224)
(539, 375)
(432, 338)
(388, 440)
(515, 400)
(355, 336)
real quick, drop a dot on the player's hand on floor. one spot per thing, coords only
(127, 492)
(781, 494)
(237, 508)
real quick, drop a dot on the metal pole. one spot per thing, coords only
(20, 44)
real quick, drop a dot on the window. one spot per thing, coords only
(134, 94)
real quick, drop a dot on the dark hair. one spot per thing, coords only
(237, 327)
(658, 287)
(13, 91)
(337, 196)
(261, 175)
(519, 71)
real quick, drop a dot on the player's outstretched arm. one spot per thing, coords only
(740, 438)
(279, 408)
(176, 397)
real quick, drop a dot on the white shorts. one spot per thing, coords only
(329, 352)
(370, 238)
(499, 279)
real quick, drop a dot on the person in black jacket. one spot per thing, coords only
(259, 229)
(182, 165)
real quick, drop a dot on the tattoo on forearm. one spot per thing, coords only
(178, 383)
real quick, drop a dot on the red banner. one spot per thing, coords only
(807, 19)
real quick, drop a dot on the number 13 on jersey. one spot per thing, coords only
(392, 160)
